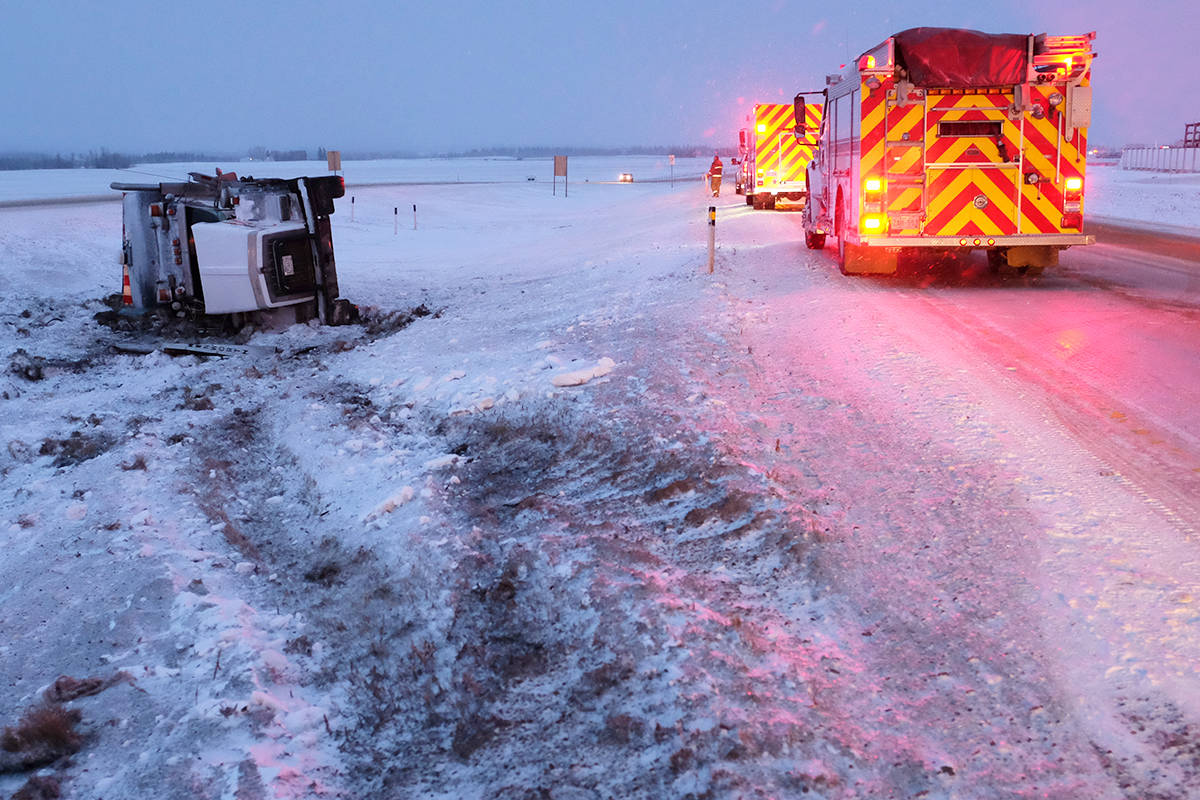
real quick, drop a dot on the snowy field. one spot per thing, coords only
(1112, 193)
(570, 518)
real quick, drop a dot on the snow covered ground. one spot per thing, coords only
(571, 518)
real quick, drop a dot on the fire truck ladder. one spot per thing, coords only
(897, 150)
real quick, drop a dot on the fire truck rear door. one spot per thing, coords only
(972, 165)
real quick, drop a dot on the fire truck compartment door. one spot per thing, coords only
(972, 154)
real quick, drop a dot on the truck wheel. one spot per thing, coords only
(996, 260)
(814, 241)
(770, 202)
(757, 202)
(749, 199)
(839, 229)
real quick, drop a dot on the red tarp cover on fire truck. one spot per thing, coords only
(953, 58)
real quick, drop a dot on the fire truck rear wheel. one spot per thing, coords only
(997, 260)
(770, 202)
(757, 202)
(749, 199)
(839, 229)
(814, 241)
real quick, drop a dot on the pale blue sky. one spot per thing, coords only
(138, 76)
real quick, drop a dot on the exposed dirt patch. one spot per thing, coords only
(378, 322)
(78, 447)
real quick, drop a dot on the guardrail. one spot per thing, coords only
(1161, 159)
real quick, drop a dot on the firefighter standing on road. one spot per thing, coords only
(714, 175)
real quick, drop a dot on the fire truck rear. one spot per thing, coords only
(956, 140)
(777, 151)
(234, 248)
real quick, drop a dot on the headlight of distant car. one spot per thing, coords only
(626, 177)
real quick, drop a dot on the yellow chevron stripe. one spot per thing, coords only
(987, 147)
(962, 190)
(1032, 198)
(909, 122)
(910, 157)
(908, 199)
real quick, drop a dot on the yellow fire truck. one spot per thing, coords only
(954, 139)
(775, 152)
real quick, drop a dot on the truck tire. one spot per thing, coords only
(997, 262)
(749, 199)
(757, 202)
(839, 230)
(814, 241)
(770, 202)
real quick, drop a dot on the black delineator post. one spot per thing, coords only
(395, 220)
(712, 236)
(414, 216)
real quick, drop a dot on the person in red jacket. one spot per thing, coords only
(714, 175)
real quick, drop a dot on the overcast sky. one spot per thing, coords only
(227, 75)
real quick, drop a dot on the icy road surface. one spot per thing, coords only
(570, 518)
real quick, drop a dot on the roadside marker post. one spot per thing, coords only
(712, 236)
(352, 208)
(395, 220)
(414, 216)
(560, 169)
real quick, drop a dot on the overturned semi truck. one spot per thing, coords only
(222, 245)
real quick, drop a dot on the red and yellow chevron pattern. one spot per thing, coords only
(780, 157)
(982, 174)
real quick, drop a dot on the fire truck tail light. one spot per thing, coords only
(762, 127)
(872, 185)
(1072, 220)
(872, 223)
(1074, 184)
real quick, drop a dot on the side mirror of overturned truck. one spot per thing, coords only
(255, 250)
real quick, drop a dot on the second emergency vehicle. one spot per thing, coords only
(954, 139)
(775, 152)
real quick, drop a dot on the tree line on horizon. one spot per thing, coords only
(106, 159)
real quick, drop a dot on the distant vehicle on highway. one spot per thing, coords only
(626, 177)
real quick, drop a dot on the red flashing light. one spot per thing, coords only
(1073, 219)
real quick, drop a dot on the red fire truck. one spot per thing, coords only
(775, 152)
(954, 139)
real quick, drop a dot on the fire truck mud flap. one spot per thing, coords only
(858, 260)
(1039, 256)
